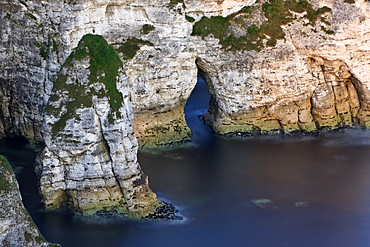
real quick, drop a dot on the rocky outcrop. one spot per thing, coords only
(16, 225)
(23, 72)
(261, 61)
(90, 158)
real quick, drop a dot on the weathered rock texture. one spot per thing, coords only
(271, 66)
(16, 225)
(90, 158)
(305, 74)
(261, 61)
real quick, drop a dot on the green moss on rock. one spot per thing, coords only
(104, 68)
(277, 13)
(43, 50)
(189, 18)
(147, 28)
(131, 47)
(31, 16)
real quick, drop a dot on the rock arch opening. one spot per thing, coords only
(196, 106)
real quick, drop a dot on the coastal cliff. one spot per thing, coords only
(271, 67)
(287, 66)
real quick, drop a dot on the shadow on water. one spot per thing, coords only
(196, 106)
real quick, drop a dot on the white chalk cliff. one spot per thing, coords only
(271, 67)
(90, 158)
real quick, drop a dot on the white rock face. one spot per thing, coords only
(283, 87)
(90, 158)
(210, 8)
(312, 79)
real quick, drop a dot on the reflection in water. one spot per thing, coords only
(237, 192)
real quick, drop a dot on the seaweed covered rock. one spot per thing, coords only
(165, 211)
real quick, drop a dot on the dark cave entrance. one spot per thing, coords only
(196, 106)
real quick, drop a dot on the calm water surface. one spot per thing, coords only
(233, 192)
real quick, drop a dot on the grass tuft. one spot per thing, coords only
(189, 18)
(147, 28)
(43, 50)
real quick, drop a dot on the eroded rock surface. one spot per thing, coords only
(90, 159)
(293, 67)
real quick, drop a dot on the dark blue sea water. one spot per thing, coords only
(264, 191)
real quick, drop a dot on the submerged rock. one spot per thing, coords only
(165, 211)
(279, 204)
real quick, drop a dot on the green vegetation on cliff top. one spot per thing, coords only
(277, 13)
(104, 68)
(173, 3)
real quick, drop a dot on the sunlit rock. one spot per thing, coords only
(271, 67)
(90, 159)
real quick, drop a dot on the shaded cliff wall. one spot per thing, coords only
(23, 72)
(16, 225)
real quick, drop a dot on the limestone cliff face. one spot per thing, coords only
(260, 70)
(271, 66)
(90, 158)
(305, 74)
(16, 225)
(281, 66)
